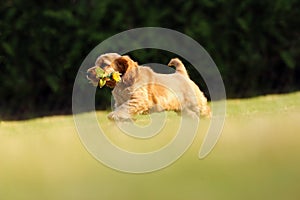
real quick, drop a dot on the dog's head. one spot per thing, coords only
(126, 67)
(102, 61)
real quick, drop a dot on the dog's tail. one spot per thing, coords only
(180, 68)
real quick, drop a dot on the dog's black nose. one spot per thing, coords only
(88, 73)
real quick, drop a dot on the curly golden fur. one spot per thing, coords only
(141, 91)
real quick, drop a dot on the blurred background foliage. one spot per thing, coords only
(255, 44)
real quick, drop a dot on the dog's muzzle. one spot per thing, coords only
(91, 76)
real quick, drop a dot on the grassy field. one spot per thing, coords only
(257, 157)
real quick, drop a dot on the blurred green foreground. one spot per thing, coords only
(257, 157)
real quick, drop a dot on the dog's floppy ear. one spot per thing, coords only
(121, 64)
(128, 68)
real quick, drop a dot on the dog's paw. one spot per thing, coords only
(192, 114)
(117, 116)
(206, 112)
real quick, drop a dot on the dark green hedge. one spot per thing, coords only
(255, 44)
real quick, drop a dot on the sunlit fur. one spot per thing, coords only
(141, 91)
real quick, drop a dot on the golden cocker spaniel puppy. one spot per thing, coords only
(141, 91)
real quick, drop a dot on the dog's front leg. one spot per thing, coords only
(121, 113)
(127, 110)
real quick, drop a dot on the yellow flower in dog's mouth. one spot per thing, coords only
(100, 73)
(102, 82)
(116, 76)
(104, 77)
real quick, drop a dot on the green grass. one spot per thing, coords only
(257, 157)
